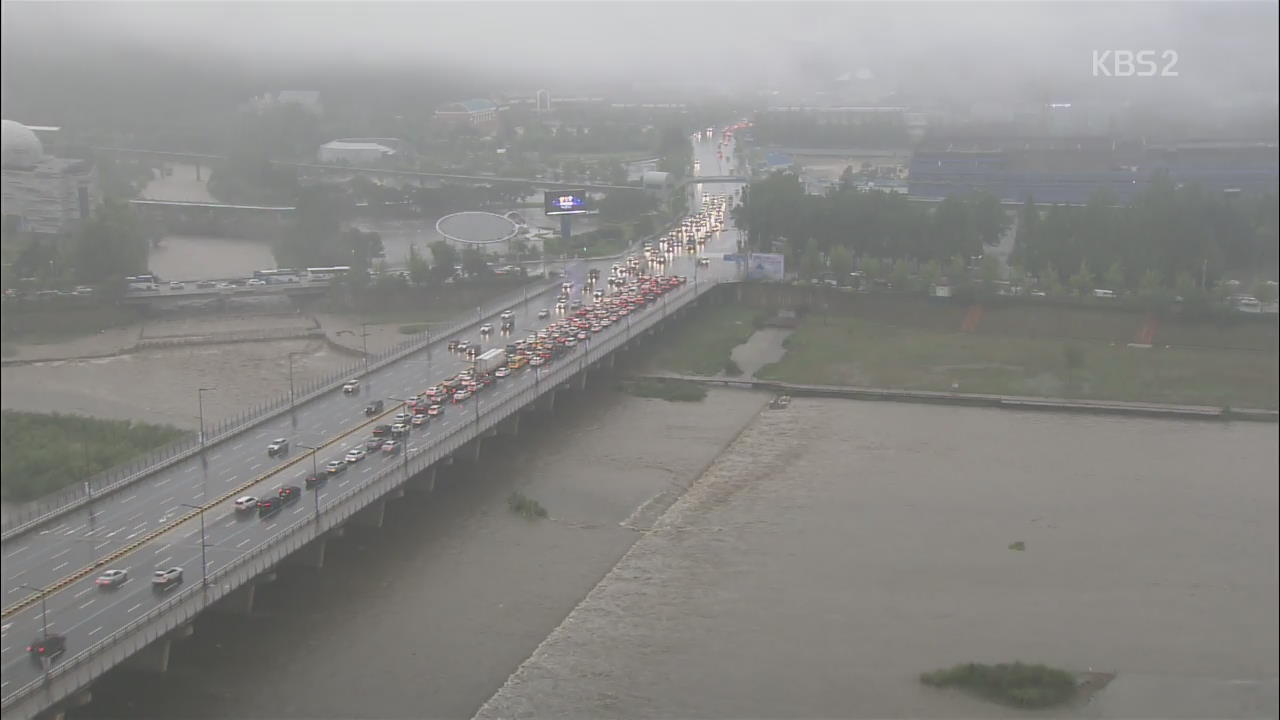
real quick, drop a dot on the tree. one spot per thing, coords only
(474, 262)
(989, 219)
(901, 276)
(445, 258)
(625, 205)
(419, 268)
(1082, 281)
(1151, 285)
(1114, 278)
(1073, 358)
(1265, 293)
(810, 261)
(841, 262)
(990, 272)
(931, 273)
(111, 244)
(1051, 281)
(872, 268)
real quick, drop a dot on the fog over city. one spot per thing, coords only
(947, 51)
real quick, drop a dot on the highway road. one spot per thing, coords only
(335, 422)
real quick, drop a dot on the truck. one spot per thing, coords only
(490, 360)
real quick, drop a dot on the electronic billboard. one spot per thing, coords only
(565, 202)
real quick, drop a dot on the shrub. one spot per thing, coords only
(1016, 684)
(731, 368)
(525, 506)
(669, 390)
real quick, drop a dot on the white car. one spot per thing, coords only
(245, 503)
(351, 386)
(175, 285)
(356, 454)
(507, 315)
(486, 329)
(502, 372)
(256, 282)
(543, 314)
(112, 578)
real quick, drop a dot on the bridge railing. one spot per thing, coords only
(77, 671)
(24, 516)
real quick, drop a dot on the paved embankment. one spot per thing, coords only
(1011, 402)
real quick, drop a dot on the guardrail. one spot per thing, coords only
(25, 516)
(68, 676)
(28, 515)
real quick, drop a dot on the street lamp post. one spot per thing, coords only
(200, 403)
(44, 616)
(404, 447)
(315, 473)
(204, 564)
(291, 356)
(364, 346)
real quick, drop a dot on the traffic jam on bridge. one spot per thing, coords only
(578, 313)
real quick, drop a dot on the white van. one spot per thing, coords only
(1104, 294)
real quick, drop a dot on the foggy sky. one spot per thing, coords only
(952, 49)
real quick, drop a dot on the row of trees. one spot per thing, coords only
(1168, 239)
(111, 245)
(1168, 236)
(776, 213)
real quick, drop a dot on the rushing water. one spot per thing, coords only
(832, 553)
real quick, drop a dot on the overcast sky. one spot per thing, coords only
(954, 47)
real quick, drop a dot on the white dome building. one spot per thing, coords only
(43, 195)
(22, 150)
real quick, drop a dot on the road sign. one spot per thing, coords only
(733, 258)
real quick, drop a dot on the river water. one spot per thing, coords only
(830, 554)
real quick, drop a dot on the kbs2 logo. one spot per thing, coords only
(1135, 63)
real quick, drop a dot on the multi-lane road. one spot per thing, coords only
(334, 422)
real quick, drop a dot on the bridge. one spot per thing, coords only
(381, 172)
(224, 554)
(191, 290)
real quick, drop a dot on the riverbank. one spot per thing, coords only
(939, 352)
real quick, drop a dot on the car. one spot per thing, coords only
(355, 455)
(112, 579)
(473, 352)
(502, 372)
(256, 282)
(246, 502)
(507, 315)
(399, 430)
(50, 646)
(391, 447)
(435, 410)
(279, 446)
(419, 421)
(380, 430)
(335, 467)
(402, 418)
(461, 395)
(350, 386)
(175, 285)
(704, 261)
(373, 408)
(373, 443)
(289, 493)
(269, 506)
(166, 579)
(462, 345)
(314, 481)
(453, 345)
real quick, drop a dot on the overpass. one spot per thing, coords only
(135, 625)
(379, 172)
(192, 291)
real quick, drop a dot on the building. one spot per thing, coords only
(44, 196)
(1071, 170)
(478, 113)
(355, 152)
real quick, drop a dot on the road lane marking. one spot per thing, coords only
(135, 607)
(129, 499)
(215, 456)
(191, 469)
(162, 548)
(237, 446)
(139, 526)
(80, 594)
(164, 562)
(95, 631)
(244, 542)
(56, 569)
(164, 482)
(255, 467)
(78, 529)
(90, 602)
(58, 555)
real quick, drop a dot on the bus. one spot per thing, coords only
(327, 273)
(279, 275)
(147, 279)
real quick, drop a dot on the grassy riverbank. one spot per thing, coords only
(700, 343)
(852, 351)
(44, 452)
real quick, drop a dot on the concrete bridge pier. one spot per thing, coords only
(237, 602)
(510, 426)
(155, 657)
(371, 516)
(80, 699)
(311, 556)
(580, 380)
